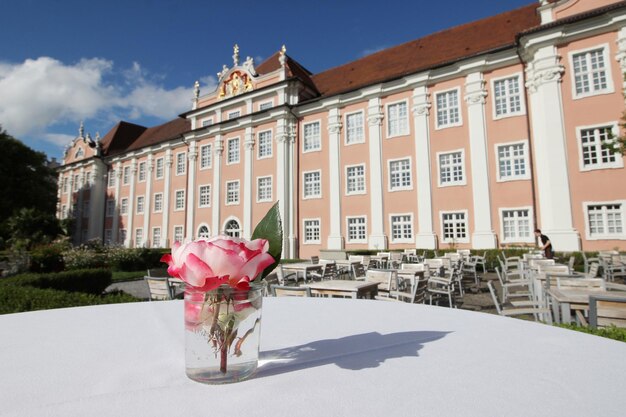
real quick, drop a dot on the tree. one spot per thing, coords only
(26, 181)
(29, 227)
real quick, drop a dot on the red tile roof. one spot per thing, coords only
(157, 134)
(126, 136)
(119, 138)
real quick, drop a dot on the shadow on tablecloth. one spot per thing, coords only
(361, 351)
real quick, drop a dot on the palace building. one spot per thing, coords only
(469, 138)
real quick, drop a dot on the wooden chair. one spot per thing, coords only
(268, 281)
(528, 308)
(358, 271)
(607, 311)
(383, 278)
(416, 290)
(160, 288)
(328, 272)
(283, 278)
(286, 291)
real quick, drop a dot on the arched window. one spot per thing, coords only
(203, 232)
(232, 228)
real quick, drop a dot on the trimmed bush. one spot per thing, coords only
(47, 258)
(16, 299)
(91, 281)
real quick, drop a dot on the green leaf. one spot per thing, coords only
(271, 229)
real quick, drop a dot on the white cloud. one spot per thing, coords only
(58, 139)
(372, 51)
(40, 93)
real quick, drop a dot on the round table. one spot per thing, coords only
(319, 357)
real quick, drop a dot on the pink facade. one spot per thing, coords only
(467, 149)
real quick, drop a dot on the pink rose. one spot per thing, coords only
(207, 264)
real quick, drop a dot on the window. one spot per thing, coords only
(234, 114)
(454, 227)
(207, 122)
(111, 179)
(402, 228)
(507, 97)
(142, 171)
(591, 72)
(355, 179)
(203, 232)
(512, 161)
(232, 192)
(605, 220)
(65, 185)
(357, 230)
(354, 128)
(233, 151)
(110, 208)
(138, 237)
(178, 234)
(180, 163)
(158, 172)
(108, 236)
(158, 202)
(312, 140)
(87, 179)
(64, 211)
(124, 206)
(205, 156)
(79, 153)
(76, 183)
(400, 174)
(594, 154)
(311, 231)
(397, 119)
(266, 105)
(451, 168)
(126, 175)
(180, 200)
(264, 189)
(516, 224)
(205, 196)
(121, 237)
(312, 184)
(140, 204)
(156, 237)
(232, 228)
(448, 113)
(265, 144)
(85, 209)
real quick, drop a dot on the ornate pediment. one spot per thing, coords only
(238, 79)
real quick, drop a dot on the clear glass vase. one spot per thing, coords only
(222, 333)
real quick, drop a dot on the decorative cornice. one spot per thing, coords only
(475, 92)
(249, 142)
(375, 115)
(421, 104)
(544, 70)
(334, 123)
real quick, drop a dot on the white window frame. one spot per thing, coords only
(176, 199)
(139, 244)
(181, 227)
(271, 144)
(467, 225)
(401, 187)
(182, 171)
(64, 212)
(265, 103)
(206, 122)
(143, 204)
(64, 185)
(156, 168)
(513, 177)
(200, 226)
(208, 146)
(228, 220)
(232, 203)
(109, 207)
(403, 239)
(451, 183)
(228, 151)
(153, 240)
(319, 227)
(604, 236)
(531, 235)
(319, 148)
(522, 101)
(347, 141)
(358, 192)
(142, 172)
(124, 211)
(460, 107)
(231, 114)
(200, 205)
(619, 160)
(406, 130)
(258, 189)
(122, 235)
(126, 175)
(348, 240)
(315, 196)
(108, 236)
(154, 199)
(610, 87)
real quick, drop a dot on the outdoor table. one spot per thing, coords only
(565, 300)
(353, 289)
(319, 357)
(303, 268)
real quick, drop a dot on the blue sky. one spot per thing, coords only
(63, 61)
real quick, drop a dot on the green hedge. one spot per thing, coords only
(91, 281)
(16, 299)
(615, 333)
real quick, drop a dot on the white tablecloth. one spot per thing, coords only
(320, 357)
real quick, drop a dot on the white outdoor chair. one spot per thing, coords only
(521, 286)
(285, 278)
(358, 271)
(160, 288)
(529, 308)
(383, 278)
(441, 286)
